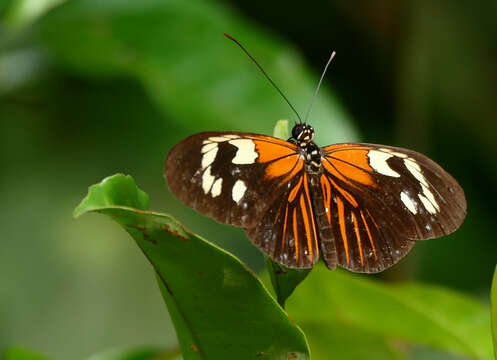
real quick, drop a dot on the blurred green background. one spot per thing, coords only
(90, 88)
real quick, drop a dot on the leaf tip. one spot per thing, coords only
(281, 129)
(115, 190)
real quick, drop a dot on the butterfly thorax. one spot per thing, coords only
(302, 135)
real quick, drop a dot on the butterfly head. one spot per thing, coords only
(302, 134)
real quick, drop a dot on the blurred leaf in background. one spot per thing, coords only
(142, 75)
(381, 313)
(493, 304)
(89, 88)
(16, 353)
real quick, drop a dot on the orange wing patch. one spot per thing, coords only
(343, 231)
(291, 165)
(369, 235)
(308, 198)
(349, 162)
(270, 149)
(358, 237)
(295, 234)
(283, 238)
(345, 194)
(326, 188)
(281, 155)
(307, 226)
(313, 223)
(295, 190)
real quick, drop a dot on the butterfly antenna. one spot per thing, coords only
(319, 85)
(265, 74)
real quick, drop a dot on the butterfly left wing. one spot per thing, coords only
(381, 199)
(249, 180)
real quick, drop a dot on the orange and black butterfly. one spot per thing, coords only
(361, 206)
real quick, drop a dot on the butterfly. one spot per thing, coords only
(360, 206)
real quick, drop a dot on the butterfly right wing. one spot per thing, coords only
(381, 199)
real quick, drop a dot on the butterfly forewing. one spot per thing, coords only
(232, 177)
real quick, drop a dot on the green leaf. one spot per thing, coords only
(281, 130)
(114, 191)
(16, 353)
(21, 13)
(421, 314)
(493, 301)
(337, 340)
(219, 307)
(136, 354)
(177, 50)
(284, 280)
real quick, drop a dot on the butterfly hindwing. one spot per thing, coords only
(288, 232)
(381, 199)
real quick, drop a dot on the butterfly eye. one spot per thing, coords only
(297, 130)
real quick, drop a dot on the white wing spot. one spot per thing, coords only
(426, 197)
(216, 139)
(216, 187)
(221, 138)
(378, 161)
(415, 170)
(246, 153)
(207, 146)
(408, 202)
(394, 153)
(238, 191)
(427, 204)
(208, 157)
(207, 180)
(429, 195)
